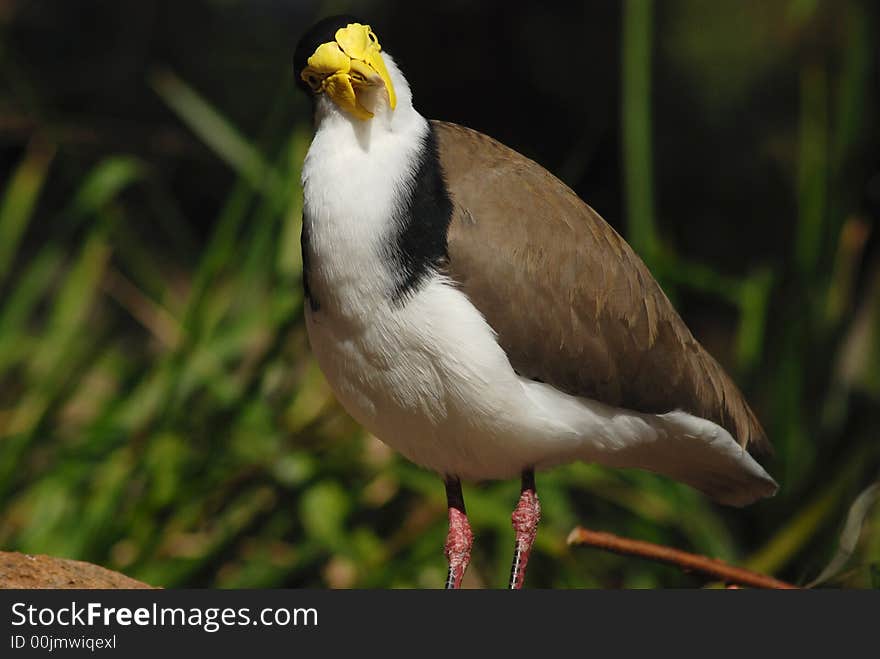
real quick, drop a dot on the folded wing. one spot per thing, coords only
(572, 304)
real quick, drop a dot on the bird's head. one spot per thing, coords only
(341, 58)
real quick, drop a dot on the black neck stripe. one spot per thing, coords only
(419, 248)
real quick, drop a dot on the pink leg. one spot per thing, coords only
(525, 519)
(459, 540)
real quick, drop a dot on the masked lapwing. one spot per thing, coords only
(473, 313)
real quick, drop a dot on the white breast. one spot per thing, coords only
(430, 380)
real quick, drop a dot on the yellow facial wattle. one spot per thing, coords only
(350, 64)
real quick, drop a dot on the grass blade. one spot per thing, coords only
(636, 120)
(215, 130)
(19, 200)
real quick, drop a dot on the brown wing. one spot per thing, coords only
(571, 302)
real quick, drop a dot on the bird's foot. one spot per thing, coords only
(459, 541)
(525, 519)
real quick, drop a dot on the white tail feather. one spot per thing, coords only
(682, 446)
(700, 453)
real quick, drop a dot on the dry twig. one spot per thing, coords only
(688, 562)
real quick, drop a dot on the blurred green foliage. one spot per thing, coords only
(160, 412)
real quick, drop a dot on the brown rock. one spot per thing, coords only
(27, 571)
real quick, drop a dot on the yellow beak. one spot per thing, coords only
(347, 66)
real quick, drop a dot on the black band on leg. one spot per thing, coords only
(450, 580)
(514, 568)
(454, 497)
(528, 480)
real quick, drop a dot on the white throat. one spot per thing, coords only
(329, 116)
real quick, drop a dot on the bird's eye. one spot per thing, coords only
(313, 81)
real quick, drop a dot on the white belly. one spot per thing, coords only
(430, 380)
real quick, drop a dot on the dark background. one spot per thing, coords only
(160, 412)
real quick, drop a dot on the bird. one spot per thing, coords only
(472, 312)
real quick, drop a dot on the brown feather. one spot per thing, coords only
(572, 304)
